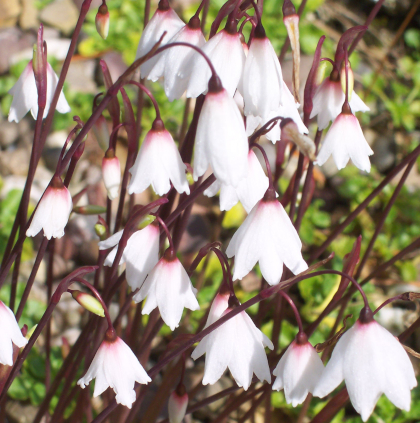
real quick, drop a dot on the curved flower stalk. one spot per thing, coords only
(169, 288)
(266, 236)
(221, 141)
(141, 253)
(345, 141)
(158, 163)
(262, 81)
(10, 335)
(372, 362)
(164, 19)
(53, 211)
(115, 366)
(238, 345)
(298, 371)
(249, 191)
(227, 55)
(175, 64)
(328, 102)
(25, 95)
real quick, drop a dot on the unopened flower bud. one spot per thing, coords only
(101, 132)
(111, 173)
(101, 231)
(146, 221)
(89, 209)
(343, 79)
(190, 178)
(65, 347)
(291, 21)
(177, 405)
(320, 73)
(290, 132)
(102, 21)
(30, 332)
(88, 302)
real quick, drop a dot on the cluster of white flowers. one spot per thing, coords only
(267, 235)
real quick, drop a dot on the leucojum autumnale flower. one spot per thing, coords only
(164, 298)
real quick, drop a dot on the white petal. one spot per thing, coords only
(162, 20)
(221, 140)
(227, 56)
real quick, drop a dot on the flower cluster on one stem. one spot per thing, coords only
(241, 95)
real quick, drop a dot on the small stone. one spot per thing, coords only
(13, 41)
(61, 14)
(80, 77)
(28, 18)
(9, 133)
(9, 12)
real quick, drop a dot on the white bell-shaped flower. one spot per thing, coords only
(10, 335)
(111, 174)
(227, 56)
(298, 371)
(238, 345)
(345, 140)
(221, 141)
(249, 191)
(169, 288)
(25, 95)
(372, 362)
(141, 253)
(175, 64)
(266, 236)
(289, 109)
(115, 366)
(262, 81)
(158, 163)
(328, 101)
(166, 20)
(177, 406)
(53, 211)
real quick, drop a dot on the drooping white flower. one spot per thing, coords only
(53, 211)
(175, 64)
(169, 288)
(164, 19)
(227, 56)
(158, 163)
(25, 95)
(238, 345)
(328, 101)
(298, 371)
(266, 236)
(111, 174)
(345, 140)
(10, 334)
(289, 109)
(262, 81)
(249, 191)
(177, 406)
(115, 366)
(141, 253)
(221, 141)
(372, 362)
